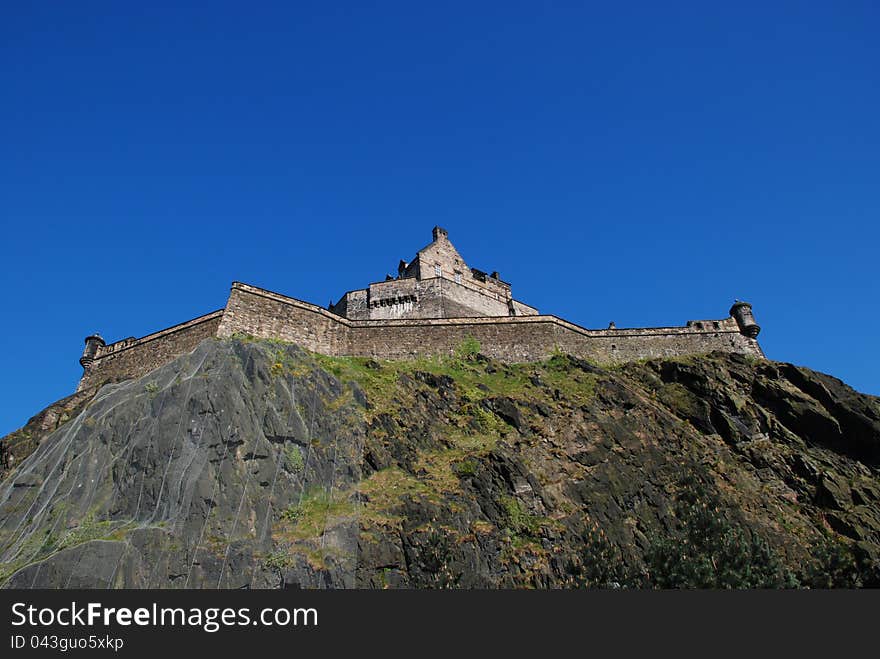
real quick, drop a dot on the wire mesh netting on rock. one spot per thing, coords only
(234, 466)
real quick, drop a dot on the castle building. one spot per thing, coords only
(435, 303)
(437, 283)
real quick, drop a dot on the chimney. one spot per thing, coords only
(438, 232)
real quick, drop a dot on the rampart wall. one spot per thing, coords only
(132, 358)
(265, 314)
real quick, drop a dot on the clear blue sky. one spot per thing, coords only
(645, 163)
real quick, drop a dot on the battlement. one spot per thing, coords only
(415, 315)
(133, 357)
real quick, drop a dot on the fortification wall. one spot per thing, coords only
(257, 312)
(134, 357)
(501, 338)
(615, 346)
(435, 297)
(515, 339)
(460, 301)
(264, 314)
(402, 298)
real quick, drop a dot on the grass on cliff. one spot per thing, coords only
(458, 440)
(302, 525)
(465, 432)
(40, 546)
(474, 377)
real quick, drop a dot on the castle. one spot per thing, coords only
(435, 303)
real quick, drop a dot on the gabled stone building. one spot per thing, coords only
(437, 283)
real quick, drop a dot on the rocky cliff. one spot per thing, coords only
(255, 464)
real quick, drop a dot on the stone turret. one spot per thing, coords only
(742, 314)
(93, 342)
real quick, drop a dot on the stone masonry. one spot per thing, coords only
(437, 283)
(434, 304)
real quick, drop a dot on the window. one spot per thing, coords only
(457, 277)
(438, 271)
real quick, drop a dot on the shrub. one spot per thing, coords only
(834, 566)
(709, 551)
(603, 565)
(293, 458)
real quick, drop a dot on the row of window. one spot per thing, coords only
(438, 272)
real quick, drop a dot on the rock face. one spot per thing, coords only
(255, 464)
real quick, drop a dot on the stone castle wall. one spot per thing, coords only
(265, 314)
(434, 297)
(132, 358)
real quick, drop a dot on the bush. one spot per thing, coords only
(835, 566)
(436, 562)
(603, 565)
(709, 551)
(293, 458)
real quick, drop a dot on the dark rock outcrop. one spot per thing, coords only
(255, 464)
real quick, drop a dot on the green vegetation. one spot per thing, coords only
(836, 566)
(518, 518)
(468, 349)
(278, 560)
(706, 549)
(310, 518)
(474, 378)
(680, 399)
(293, 458)
(603, 565)
(291, 513)
(385, 490)
(91, 529)
(467, 467)
(282, 361)
(39, 547)
(301, 527)
(465, 434)
(437, 560)
(709, 551)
